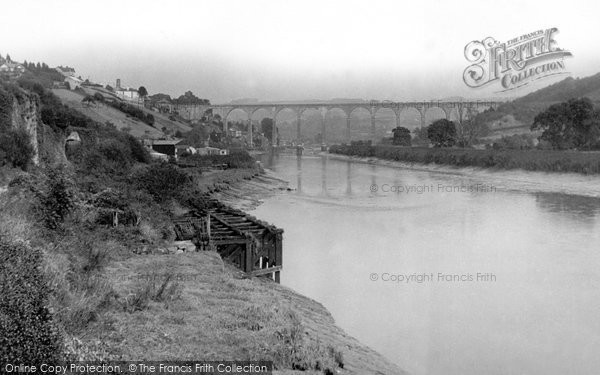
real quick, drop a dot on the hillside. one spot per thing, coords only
(519, 114)
(104, 113)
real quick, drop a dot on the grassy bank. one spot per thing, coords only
(103, 299)
(531, 160)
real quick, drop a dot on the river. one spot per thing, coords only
(446, 273)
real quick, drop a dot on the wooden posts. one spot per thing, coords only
(237, 237)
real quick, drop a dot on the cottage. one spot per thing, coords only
(166, 146)
(73, 82)
(65, 71)
(12, 68)
(212, 151)
(158, 156)
(181, 149)
(127, 94)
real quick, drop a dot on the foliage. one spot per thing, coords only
(196, 137)
(142, 92)
(470, 127)
(401, 136)
(266, 127)
(106, 151)
(515, 142)
(56, 196)
(16, 148)
(163, 181)
(190, 98)
(532, 160)
(235, 160)
(28, 332)
(132, 111)
(420, 136)
(571, 124)
(442, 133)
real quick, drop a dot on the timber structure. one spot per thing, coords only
(252, 245)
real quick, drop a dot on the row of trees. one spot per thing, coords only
(445, 133)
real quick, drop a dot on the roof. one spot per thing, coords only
(73, 78)
(167, 142)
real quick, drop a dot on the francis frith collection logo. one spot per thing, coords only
(514, 63)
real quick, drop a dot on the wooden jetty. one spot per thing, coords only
(251, 244)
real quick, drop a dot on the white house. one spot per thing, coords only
(127, 94)
(212, 151)
(12, 68)
(73, 82)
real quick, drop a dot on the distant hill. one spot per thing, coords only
(520, 112)
(564, 90)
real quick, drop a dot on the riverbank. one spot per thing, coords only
(317, 321)
(508, 180)
(587, 163)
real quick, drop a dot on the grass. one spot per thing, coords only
(214, 314)
(530, 160)
(113, 304)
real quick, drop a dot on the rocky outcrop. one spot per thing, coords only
(21, 109)
(26, 116)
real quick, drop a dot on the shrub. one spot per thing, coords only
(56, 197)
(28, 332)
(16, 148)
(163, 181)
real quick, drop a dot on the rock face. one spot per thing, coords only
(26, 116)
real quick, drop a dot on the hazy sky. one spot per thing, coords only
(288, 50)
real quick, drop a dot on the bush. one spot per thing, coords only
(56, 197)
(163, 181)
(28, 331)
(16, 148)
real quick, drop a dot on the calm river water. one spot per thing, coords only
(444, 273)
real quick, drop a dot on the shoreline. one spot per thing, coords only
(359, 359)
(506, 179)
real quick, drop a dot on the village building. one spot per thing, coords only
(65, 71)
(165, 146)
(212, 151)
(12, 69)
(127, 94)
(73, 82)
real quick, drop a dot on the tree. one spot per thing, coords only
(88, 100)
(196, 137)
(571, 124)
(143, 92)
(401, 136)
(266, 126)
(420, 135)
(469, 126)
(442, 133)
(98, 97)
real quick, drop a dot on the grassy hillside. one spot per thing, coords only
(519, 114)
(104, 113)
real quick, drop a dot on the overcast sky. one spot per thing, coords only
(288, 50)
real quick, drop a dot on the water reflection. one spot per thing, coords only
(540, 317)
(580, 207)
